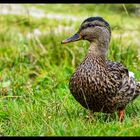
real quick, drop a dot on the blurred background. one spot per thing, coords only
(35, 67)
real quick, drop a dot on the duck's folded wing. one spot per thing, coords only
(127, 85)
(117, 68)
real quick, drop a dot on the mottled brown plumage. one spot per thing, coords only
(98, 84)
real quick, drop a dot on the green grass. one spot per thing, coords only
(34, 73)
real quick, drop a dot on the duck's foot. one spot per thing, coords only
(120, 114)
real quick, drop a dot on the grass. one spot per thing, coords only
(34, 73)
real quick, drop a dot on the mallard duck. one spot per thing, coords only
(98, 84)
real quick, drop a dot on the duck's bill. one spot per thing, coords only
(73, 38)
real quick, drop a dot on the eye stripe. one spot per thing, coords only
(95, 21)
(92, 25)
(87, 26)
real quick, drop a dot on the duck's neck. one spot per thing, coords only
(97, 49)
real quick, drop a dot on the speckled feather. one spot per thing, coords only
(102, 86)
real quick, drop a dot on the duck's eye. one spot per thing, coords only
(84, 36)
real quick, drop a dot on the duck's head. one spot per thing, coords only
(93, 29)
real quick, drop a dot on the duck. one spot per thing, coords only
(99, 84)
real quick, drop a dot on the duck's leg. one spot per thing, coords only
(120, 114)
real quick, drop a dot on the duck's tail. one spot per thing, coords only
(137, 85)
(137, 90)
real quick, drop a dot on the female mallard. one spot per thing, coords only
(98, 84)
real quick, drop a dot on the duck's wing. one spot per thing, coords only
(127, 85)
(117, 69)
